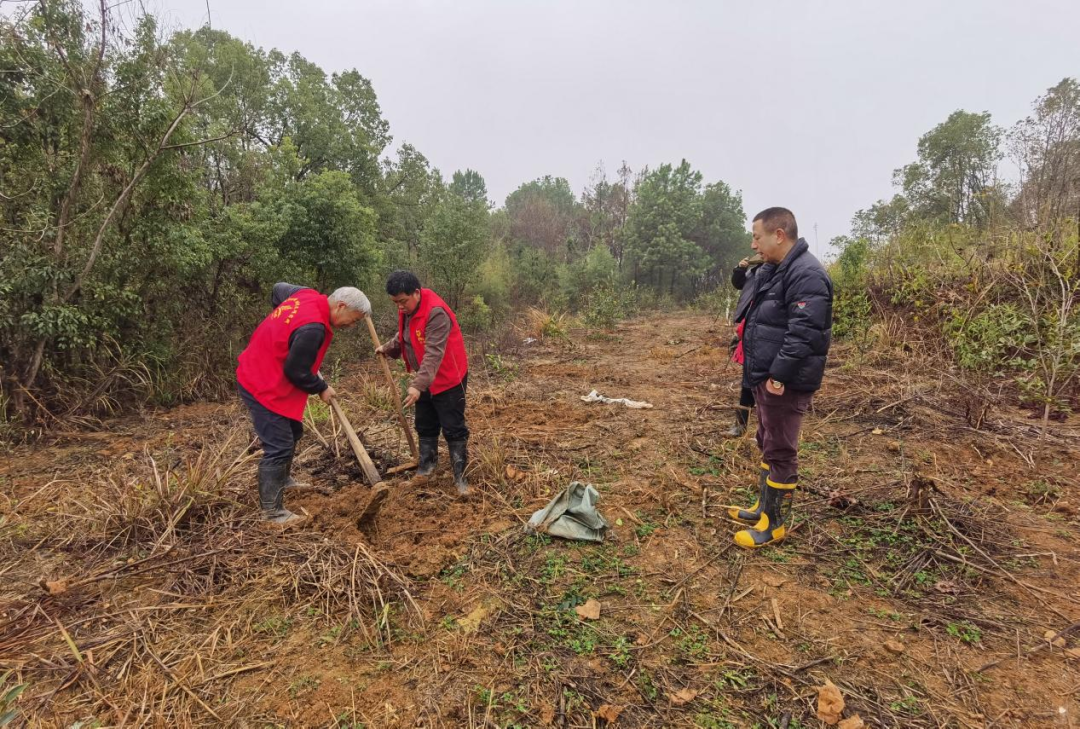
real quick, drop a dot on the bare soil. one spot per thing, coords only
(932, 573)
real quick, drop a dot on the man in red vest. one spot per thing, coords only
(279, 369)
(430, 342)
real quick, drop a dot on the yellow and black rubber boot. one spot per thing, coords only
(772, 526)
(753, 514)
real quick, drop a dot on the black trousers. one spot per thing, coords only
(443, 412)
(746, 399)
(279, 435)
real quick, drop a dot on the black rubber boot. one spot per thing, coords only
(459, 459)
(290, 482)
(429, 456)
(742, 417)
(272, 493)
(753, 514)
(772, 526)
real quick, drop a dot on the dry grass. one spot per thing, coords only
(490, 457)
(375, 394)
(142, 603)
(544, 325)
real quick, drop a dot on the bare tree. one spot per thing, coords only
(1047, 283)
(86, 82)
(1047, 147)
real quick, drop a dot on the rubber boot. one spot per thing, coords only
(742, 417)
(272, 494)
(429, 456)
(459, 458)
(772, 526)
(753, 514)
(290, 482)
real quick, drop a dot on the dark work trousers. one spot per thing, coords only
(445, 412)
(779, 420)
(279, 435)
(746, 399)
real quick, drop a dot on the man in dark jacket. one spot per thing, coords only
(742, 278)
(785, 342)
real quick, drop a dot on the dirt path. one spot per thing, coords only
(928, 561)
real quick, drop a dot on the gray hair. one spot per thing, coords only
(353, 298)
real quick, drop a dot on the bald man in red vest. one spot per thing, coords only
(429, 340)
(279, 370)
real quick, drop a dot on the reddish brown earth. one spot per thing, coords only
(178, 609)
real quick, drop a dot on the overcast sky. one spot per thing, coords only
(804, 104)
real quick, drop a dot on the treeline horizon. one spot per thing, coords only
(156, 185)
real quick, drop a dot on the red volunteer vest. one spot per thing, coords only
(738, 356)
(455, 363)
(262, 365)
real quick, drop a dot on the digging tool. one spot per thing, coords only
(379, 488)
(397, 401)
(370, 472)
(378, 495)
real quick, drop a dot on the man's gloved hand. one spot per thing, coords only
(734, 344)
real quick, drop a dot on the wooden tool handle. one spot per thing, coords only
(370, 472)
(394, 390)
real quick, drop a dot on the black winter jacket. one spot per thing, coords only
(789, 323)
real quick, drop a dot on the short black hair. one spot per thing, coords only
(772, 219)
(402, 282)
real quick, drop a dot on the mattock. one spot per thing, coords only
(379, 488)
(400, 409)
(380, 492)
(371, 474)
